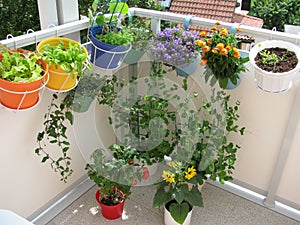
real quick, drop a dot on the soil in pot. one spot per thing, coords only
(276, 60)
(114, 199)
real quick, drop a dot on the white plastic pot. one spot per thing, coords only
(274, 82)
(168, 219)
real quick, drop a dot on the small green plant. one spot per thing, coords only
(71, 59)
(116, 173)
(20, 66)
(115, 36)
(268, 59)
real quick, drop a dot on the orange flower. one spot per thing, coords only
(202, 55)
(224, 51)
(228, 47)
(214, 28)
(236, 55)
(203, 62)
(239, 29)
(209, 41)
(200, 43)
(203, 33)
(206, 49)
(215, 50)
(218, 23)
(223, 31)
(220, 46)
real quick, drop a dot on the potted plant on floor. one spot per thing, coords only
(212, 157)
(221, 57)
(178, 193)
(66, 58)
(22, 75)
(276, 64)
(114, 175)
(110, 41)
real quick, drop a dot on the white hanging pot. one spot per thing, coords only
(269, 81)
(168, 219)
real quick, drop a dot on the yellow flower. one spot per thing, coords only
(239, 29)
(168, 177)
(203, 33)
(209, 41)
(206, 49)
(200, 43)
(215, 50)
(223, 31)
(220, 46)
(218, 23)
(190, 173)
(224, 51)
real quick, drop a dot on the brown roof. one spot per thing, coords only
(248, 20)
(220, 10)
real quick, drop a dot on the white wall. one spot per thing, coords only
(27, 184)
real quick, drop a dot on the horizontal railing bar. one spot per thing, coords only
(37, 36)
(259, 33)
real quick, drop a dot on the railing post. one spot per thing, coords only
(67, 11)
(47, 13)
(155, 25)
(286, 146)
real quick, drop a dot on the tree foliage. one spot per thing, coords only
(277, 13)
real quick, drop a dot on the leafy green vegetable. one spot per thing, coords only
(115, 37)
(70, 59)
(17, 67)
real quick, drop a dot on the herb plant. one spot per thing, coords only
(115, 37)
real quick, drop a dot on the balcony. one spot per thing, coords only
(266, 170)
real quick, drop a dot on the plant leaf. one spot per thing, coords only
(179, 212)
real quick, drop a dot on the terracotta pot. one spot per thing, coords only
(21, 95)
(110, 212)
(58, 78)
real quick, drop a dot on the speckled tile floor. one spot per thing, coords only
(220, 208)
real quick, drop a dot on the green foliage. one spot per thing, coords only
(115, 37)
(147, 4)
(56, 118)
(118, 172)
(18, 16)
(20, 67)
(276, 13)
(73, 58)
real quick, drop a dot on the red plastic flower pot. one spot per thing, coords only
(110, 212)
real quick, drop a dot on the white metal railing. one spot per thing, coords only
(156, 16)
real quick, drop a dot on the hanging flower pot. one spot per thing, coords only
(66, 58)
(270, 54)
(188, 70)
(110, 212)
(20, 84)
(169, 220)
(107, 55)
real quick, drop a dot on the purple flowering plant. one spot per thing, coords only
(174, 47)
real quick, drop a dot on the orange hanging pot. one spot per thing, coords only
(22, 95)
